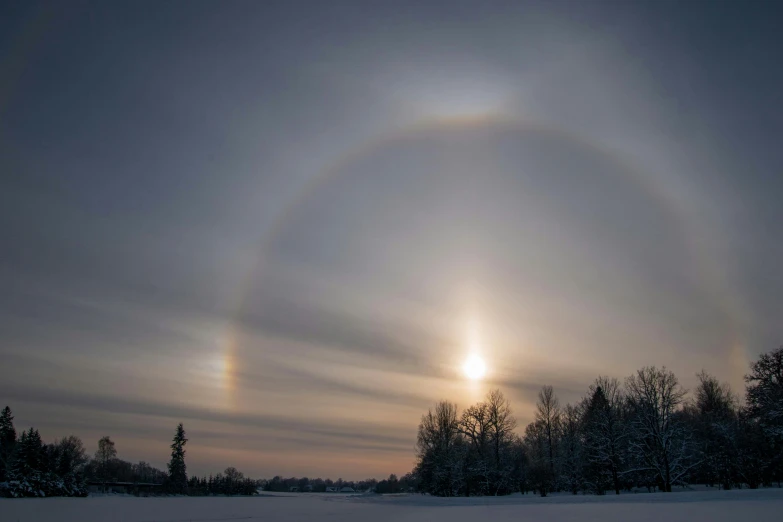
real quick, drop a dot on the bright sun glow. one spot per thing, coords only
(474, 368)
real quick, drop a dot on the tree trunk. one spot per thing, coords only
(616, 480)
(667, 478)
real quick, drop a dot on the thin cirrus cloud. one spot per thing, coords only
(288, 227)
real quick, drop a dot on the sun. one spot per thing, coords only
(474, 368)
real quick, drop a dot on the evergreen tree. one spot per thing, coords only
(178, 477)
(17, 466)
(605, 435)
(594, 442)
(7, 441)
(28, 458)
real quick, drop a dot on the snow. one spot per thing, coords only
(693, 506)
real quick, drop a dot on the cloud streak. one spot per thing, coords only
(210, 218)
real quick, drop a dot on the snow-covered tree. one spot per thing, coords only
(474, 426)
(659, 440)
(491, 447)
(714, 422)
(764, 386)
(441, 450)
(572, 449)
(765, 393)
(605, 435)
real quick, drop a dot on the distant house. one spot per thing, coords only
(293, 489)
(330, 489)
(308, 488)
(347, 489)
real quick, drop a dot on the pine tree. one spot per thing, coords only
(28, 457)
(596, 443)
(178, 477)
(7, 441)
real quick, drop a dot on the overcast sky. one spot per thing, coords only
(286, 224)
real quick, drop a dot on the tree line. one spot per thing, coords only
(31, 468)
(645, 432)
(392, 484)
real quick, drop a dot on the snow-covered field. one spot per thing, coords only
(712, 506)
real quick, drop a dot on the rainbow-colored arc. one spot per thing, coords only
(659, 191)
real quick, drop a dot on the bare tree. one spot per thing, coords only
(713, 416)
(659, 439)
(474, 425)
(440, 449)
(438, 429)
(104, 456)
(490, 451)
(539, 475)
(765, 393)
(69, 455)
(501, 422)
(714, 398)
(549, 414)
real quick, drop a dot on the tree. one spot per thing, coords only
(474, 426)
(440, 451)
(764, 386)
(487, 430)
(29, 456)
(232, 480)
(500, 422)
(548, 413)
(104, 456)
(753, 450)
(765, 393)
(539, 474)
(389, 485)
(178, 478)
(7, 441)
(605, 435)
(67, 456)
(572, 449)
(713, 418)
(659, 439)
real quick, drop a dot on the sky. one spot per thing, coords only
(287, 224)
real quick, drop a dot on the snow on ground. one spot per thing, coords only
(712, 506)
